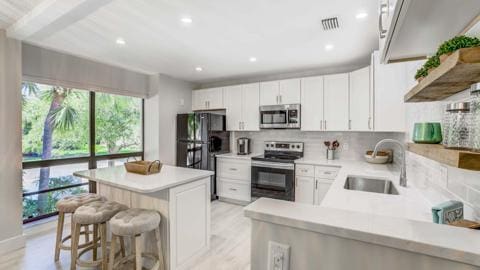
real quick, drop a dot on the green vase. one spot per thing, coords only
(427, 133)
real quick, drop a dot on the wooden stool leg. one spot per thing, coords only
(160, 251)
(95, 241)
(113, 245)
(133, 248)
(87, 236)
(74, 242)
(103, 239)
(58, 242)
(138, 252)
(122, 246)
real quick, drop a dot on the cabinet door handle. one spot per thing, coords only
(325, 124)
(233, 189)
(239, 125)
(369, 125)
(316, 184)
(209, 104)
(296, 182)
(280, 99)
(205, 104)
(382, 31)
(277, 100)
(349, 124)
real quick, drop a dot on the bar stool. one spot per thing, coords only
(95, 213)
(68, 205)
(133, 223)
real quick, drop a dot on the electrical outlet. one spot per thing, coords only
(345, 146)
(278, 256)
(182, 102)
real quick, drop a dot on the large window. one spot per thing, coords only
(67, 130)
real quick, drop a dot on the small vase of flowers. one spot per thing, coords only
(331, 148)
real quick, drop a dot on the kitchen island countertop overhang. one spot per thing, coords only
(168, 177)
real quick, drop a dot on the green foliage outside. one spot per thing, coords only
(55, 124)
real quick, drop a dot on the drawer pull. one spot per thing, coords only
(233, 169)
(328, 172)
(304, 170)
(233, 189)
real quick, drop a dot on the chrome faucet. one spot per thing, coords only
(403, 173)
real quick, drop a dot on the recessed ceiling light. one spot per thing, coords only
(186, 20)
(252, 59)
(120, 41)
(329, 47)
(198, 69)
(361, 15)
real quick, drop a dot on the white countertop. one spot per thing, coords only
(452, 243)
(400, 221)
(236, 156)
(410, 203)
(168, 177)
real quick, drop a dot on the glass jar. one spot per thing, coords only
(459, 126)
(475, 111)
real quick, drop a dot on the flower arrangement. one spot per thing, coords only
(332, 145)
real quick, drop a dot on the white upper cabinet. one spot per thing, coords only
(233, 104)
(207, 99)
(336, 102)
(280, 92)
(290, 91)
(242, 102)
(269, 93)
(390, 86)
(360, 100)
(312, 103)
(250, 104)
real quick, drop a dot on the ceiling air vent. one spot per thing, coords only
(330, 23)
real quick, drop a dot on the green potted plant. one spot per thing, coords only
(459, 42)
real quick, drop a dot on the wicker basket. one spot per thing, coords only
(143, 167)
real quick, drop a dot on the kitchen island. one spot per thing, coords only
(180, 195)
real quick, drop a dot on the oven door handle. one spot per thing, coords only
(273, 165)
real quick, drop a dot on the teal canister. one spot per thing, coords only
(427, 133)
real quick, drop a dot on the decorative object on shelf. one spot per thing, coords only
(427, 133)
(443, 52)
(475, 111)
(455, 158)
(456, 43)
(458, 121)
(143, 167)
(381, 158)
(457, 73)
(331, 148)
(447, 212)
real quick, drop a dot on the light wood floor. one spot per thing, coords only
(229, 246)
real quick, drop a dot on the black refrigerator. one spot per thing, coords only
(200, 136)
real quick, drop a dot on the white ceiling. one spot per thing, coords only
(12, 10)
(283, 35)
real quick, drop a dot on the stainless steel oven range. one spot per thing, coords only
(273, 174)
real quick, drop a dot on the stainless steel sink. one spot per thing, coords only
(370, 185)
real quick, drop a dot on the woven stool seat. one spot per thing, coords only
(97, 212)
(69, 204)
(134, 221)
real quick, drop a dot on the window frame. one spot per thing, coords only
(91, 159)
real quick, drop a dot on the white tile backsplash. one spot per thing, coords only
(358, 142)
(440, 182)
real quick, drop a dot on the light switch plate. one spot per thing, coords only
(278, 256)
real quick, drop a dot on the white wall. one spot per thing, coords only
(167, 98)
(11, 236)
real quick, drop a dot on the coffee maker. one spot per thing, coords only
(243, 146)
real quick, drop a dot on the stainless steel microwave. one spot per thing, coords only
(280, 116)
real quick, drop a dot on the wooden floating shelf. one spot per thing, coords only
(455, 74)
(454, 158)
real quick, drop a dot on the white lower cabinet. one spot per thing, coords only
(304, 189)
(234, 179)
(313, 182)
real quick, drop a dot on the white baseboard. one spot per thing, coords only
(12, 244)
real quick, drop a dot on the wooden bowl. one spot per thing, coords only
(381, 158)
